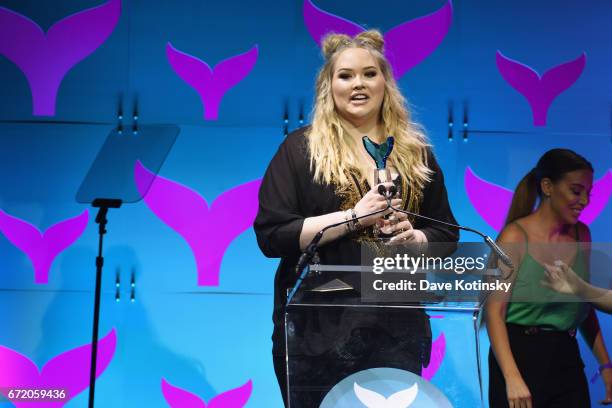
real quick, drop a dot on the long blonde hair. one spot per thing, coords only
(333, 152)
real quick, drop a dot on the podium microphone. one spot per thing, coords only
(311, 248)
(390, 192)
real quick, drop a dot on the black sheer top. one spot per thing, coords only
(289, 194)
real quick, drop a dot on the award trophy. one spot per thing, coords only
(383, 174)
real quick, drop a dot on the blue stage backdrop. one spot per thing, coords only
(186, 294)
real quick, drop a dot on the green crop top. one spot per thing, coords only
(551, 315)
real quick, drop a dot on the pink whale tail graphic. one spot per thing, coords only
(179, 398)
(207, 231)
(45, 59)
(540, 92)
(69, 371)
(492, 202)
(406, 45)
(41, 248)
(211, 84)
(319, 23)
(438, 349)
(600, 195)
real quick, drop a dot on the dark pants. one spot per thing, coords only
(280, 369)
(550, 365)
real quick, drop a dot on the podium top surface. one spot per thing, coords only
(359, 286)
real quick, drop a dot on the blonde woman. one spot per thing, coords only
(322, 175)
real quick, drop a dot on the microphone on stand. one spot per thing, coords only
(311, 248)
(390, 192)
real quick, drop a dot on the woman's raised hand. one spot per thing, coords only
(404, 233)
(374, 201)
(562, 278)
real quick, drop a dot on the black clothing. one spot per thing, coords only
(330, 343)
(289, 194)
(550, 364)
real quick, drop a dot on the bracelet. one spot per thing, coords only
(600, 370)
(354, 225)
(347, 217)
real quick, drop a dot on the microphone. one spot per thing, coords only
(311, 248)
(390, 192)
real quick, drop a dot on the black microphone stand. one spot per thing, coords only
(488, 240)
(104, 204)
(311, 248)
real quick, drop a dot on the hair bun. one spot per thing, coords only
(367, 39)
(332, 42)
(372, 38)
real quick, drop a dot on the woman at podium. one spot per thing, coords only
(534, 359)
(321, 175)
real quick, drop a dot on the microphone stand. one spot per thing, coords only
(311, 248)
(487, 239)
(104, 204)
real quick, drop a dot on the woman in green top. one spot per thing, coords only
(534, 359)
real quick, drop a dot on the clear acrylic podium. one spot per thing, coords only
(333, 329)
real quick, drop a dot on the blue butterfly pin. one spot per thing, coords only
(379, 152)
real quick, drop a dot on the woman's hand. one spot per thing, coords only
(404, 232)
(518, 393)
(562, 278)
(374, 201)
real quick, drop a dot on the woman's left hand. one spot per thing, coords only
(606, 376)
(405, 233)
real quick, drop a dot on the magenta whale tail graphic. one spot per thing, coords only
(492, 201)
(41, 248)
(600, 195)
(179, 398)
(406, 45)
(46, 59)
(68, 371)
(540, 91)
(319, 23)
(207, 231)
(409, 43)
(438, 350)
(211, 84)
